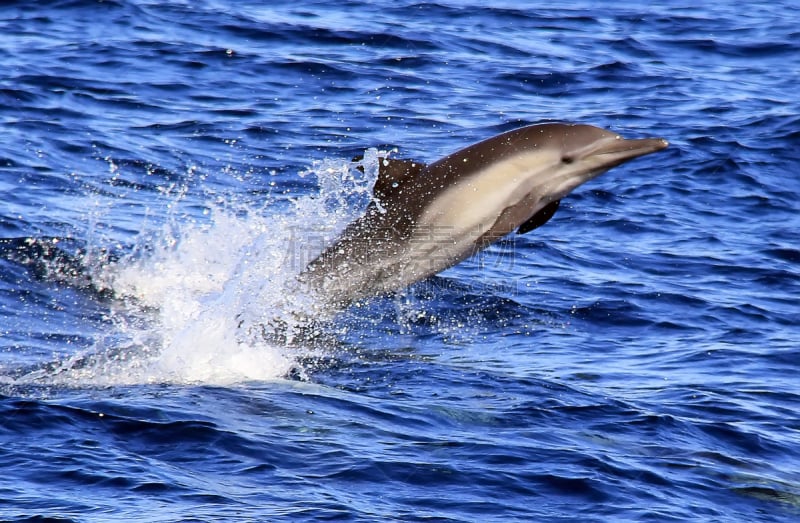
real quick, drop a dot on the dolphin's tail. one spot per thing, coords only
(61, 260)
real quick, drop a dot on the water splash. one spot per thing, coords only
(217, 301)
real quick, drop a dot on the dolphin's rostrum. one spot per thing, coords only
(426, 218)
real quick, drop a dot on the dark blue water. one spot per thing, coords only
(636, 359)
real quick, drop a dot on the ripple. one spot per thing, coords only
(634, 359)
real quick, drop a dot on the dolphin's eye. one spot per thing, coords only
(567, 159)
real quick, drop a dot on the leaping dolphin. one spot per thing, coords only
(426, 218)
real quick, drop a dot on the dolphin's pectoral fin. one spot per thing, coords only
(540, 218)
(394, 172)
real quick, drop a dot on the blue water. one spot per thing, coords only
(635, 359)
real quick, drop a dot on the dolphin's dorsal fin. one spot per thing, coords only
(540, 218)
(392, 173)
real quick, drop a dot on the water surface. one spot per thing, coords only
(635, 359)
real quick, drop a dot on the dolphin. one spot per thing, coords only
(424, 219)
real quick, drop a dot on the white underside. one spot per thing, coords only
(449, 228)
(447, 231)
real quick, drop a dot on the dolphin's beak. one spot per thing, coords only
(615, 151)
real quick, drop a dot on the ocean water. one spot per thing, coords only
(166, 168)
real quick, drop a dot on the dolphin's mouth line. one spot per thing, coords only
(626, 149)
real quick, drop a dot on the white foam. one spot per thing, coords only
(195, 307)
